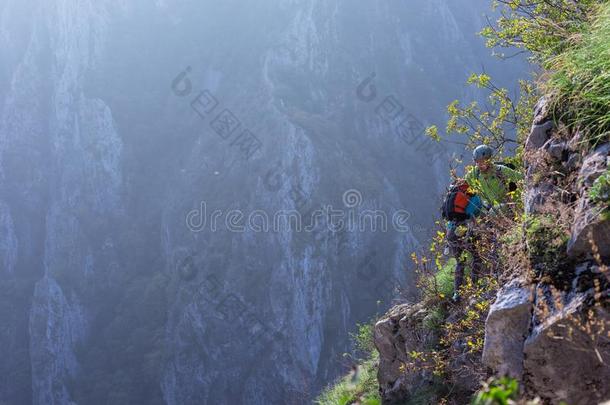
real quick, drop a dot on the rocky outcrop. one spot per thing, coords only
(553, 335)
(554, 342)
(541, 127)
(548, 326)
(568, 352)
(540, 189)
(506, 328)
(396, 335)
(590, 226)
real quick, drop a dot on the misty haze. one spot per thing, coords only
(201, 200)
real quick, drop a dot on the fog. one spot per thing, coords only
(199, 200)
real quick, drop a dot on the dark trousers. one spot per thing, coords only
(458, 246)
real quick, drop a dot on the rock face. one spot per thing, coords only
(395, 337)
(539, 190)
(507, 326)
(539, 135)
(568, 352)
(589, 225)
(554, 338)
(549, 330)
(541, 127)
(564, 355)
(106, 147)
(56, 326)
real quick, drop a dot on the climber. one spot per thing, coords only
(460, 207)
(492, 181)
(489, 185)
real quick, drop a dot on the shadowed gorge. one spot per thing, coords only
(124, 125)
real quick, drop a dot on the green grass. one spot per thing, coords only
(445, 276)
(581, 79)
(360, 387)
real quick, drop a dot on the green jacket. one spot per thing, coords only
(493, 185)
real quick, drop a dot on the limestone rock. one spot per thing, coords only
(539, 134)
(506, 328)
(593, 165)
(395, 336)
(573, 161)
(558, 150)
(588, 221)
(541, 126)
(589, 225)
(541, 111)
(535, 197)
(566, 360)
(576, 140)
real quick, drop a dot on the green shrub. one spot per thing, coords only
(542, 28)
(514, 235)
(363, 339)
(600, 190)
(600, 194)
(445, 276)
(547, 243)
(497, 392)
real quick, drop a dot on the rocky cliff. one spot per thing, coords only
(119, 119)
(548, 326)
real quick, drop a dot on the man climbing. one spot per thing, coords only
(487, 187)
(492, 181)
(459, 209)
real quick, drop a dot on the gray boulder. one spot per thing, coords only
(576, 140)
(541, 111)
(589, 227)
(539, 134)
(557, 149)
(535, 197)
(573, 161)
(395, 336)
(541, 127)
(506, 328)
(566, 358)
(593, 165)
(588, 223)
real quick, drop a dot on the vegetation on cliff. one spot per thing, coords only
(360, 385)
(570, 42)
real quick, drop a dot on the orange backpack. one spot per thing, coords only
(455, 203)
